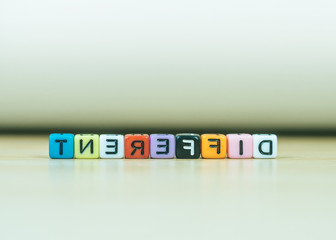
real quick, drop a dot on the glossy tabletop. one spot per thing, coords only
(291, 197)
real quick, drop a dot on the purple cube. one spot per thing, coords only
(162, 146)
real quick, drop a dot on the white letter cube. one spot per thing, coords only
(111, 146)
(265, 146)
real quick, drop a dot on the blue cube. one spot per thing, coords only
(61, 145)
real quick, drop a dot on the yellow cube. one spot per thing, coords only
(86, 146)
(213, 146)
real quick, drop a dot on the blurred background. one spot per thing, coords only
(127, 66)
(177, 65)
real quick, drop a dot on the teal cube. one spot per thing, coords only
(61, 145)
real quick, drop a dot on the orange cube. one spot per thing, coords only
(213, 145)
(137, 146)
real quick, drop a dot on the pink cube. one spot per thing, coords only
(240, 145)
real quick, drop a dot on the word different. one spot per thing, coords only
(183, 146)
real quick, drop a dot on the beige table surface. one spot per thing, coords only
(291, 197)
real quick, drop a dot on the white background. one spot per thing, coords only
(177, 63)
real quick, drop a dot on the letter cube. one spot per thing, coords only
(265, 146)
(240, 145)
(61, 145)
(136, 146)
(213, 145)
(87, 146)
(162, 146)
(188, 146)
(111, 146)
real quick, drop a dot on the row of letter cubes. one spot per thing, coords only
(186, 146)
